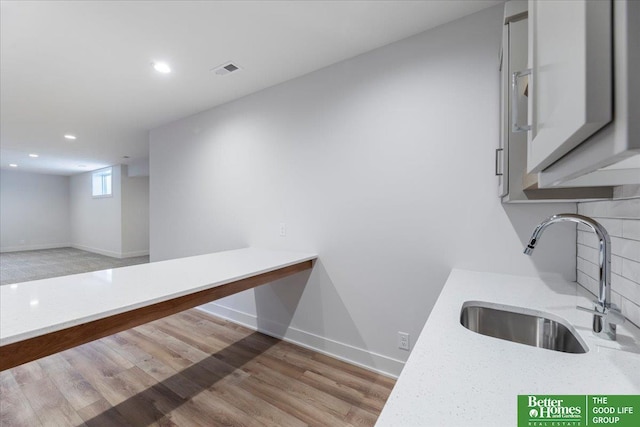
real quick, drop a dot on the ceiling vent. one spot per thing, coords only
(225, 69)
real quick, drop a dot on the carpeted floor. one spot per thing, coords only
(41, 264)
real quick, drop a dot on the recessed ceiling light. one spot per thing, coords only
(33, 155)
(161, 67)
(13, 165)
(69, 136)
(82, 166)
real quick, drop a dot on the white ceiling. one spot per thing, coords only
(84, 67)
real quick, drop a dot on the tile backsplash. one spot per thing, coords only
(621, 218)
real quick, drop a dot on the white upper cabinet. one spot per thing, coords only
(604, 158)
(514, 184)
(570, 87)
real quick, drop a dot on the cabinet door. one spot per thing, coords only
(570, 93)
(515, 142)
(502, 153)
(621, 138)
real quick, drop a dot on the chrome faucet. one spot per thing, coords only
(605, 314)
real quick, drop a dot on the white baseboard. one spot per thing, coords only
(356, 356)
(34, 247)
(69, 245)
(112, 254)
(97, 251)
(134, 254)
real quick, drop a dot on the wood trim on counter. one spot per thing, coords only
(20, 352)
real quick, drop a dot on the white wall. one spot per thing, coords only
(34, 211)
(47, 211)
(116, 226)
(138, 167)
(96, 223)
(382, 164)
(135, 216)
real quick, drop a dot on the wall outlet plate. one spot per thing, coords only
(403, 341)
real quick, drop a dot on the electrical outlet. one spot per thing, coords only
(403, 341)
(283, 229)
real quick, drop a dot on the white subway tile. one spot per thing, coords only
(587, 253)
(616, 265)
(616, 299)
(591, 208)
(621, 218)
(631, 311)
(626, 288)
(612, 225)
(631, 229)
(626, 248)
(588, 239)
(627, 208)
(589, 283)
(589, 268)
(630, 270)
(626, 191)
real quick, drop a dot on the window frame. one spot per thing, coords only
(102, 173)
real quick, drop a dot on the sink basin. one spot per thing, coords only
(521, 325)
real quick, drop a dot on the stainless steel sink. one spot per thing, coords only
(521, 325)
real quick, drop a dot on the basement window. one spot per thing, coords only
(101, 183)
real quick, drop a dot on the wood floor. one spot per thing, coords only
(190, 369)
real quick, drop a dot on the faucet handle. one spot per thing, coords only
(612, 314)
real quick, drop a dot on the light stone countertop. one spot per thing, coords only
(456, 377)
(34, 308)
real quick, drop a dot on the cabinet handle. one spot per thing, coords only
(515, 127)
(498, 150)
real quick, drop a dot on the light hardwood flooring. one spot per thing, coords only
(190, 369)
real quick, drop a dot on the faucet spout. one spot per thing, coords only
(602, 325)
(528, 250)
